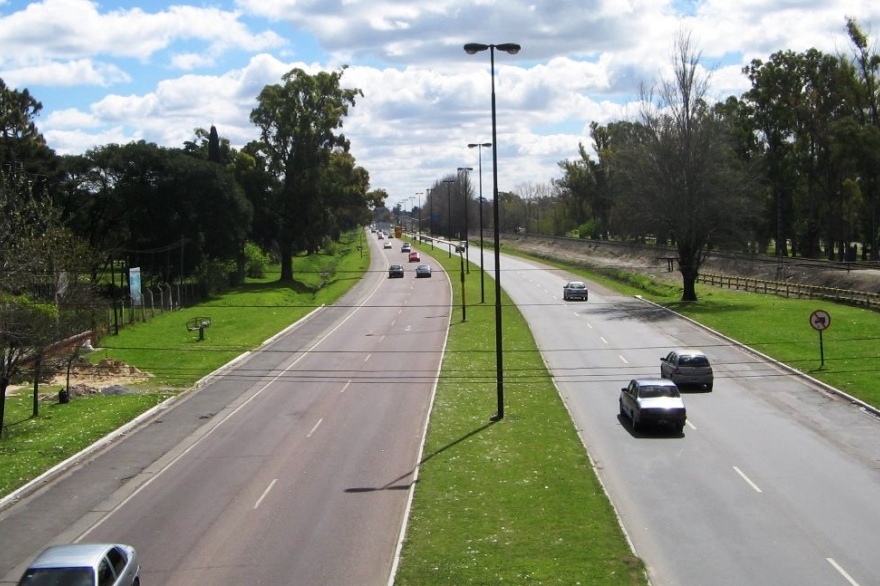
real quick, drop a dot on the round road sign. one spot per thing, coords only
(820, 320)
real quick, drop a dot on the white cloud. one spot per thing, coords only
(424, 98)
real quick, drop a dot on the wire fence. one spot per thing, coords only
(787, 289)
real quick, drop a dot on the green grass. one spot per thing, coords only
(241, 320)
(513, 501)
(775, 326)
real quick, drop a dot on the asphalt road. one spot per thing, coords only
(294, 466)
(773, 480)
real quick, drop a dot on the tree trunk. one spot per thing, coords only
(35, 411)
(689, 272)
(4, 383)
(285, 251)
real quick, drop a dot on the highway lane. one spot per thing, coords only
(772, 482)
(306, 475)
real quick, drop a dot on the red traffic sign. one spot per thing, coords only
(820, 320)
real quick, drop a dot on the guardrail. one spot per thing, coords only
(795, 290)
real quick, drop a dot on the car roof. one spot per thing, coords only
(654, 382)
(72, 555)
(689, 352)
(575, 284)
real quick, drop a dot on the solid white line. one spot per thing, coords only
(842, 572)
(265, 492)
(625, 361)
(747, 479)
(315, 428)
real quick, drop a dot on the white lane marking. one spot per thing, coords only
(368, 357)
(314, 429)
(393, 322)
(589, 325)
(842, 572)
(345, 387)
(691, 425)
(265, 492)
(747, 479)
(603, 339)
(625, 361)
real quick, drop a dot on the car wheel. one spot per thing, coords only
(680, 428)
(635, 422)
(622, 412)
(709, 386)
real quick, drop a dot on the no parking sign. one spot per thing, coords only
(820, 320)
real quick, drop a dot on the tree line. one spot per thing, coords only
(192, 212)
(790, 167)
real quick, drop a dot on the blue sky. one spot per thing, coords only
(113, 72)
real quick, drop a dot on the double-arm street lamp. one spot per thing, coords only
(513, 49)
(479, 146)
(449, 214)
(467, 244)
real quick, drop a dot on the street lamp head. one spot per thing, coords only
(473, 145)
(472, 48)
(465, 168)
(511, 48)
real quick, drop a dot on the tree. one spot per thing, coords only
(298, 122)
(681, 174)
(43, 297)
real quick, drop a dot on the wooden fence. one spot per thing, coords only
(794, 290)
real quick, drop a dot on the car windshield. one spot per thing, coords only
(56, 576)
(576, 286)
(658, 391)
(698, 360)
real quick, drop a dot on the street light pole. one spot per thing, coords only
(513, 49)
(467, 243)
(419, 193)
(479, 146)
(430, 215)
(449, 214)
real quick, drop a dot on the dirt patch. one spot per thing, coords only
(107, 377)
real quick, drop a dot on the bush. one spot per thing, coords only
(213, 276)
(256, 261)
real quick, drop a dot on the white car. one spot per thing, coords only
(85, 564)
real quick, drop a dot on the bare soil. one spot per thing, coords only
(107, 377)
(648, 261)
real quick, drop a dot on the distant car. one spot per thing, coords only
(414, 256)
(575, 290)
(687, 367)
(395, 271)
(387, 245)
(657, 401)
(380, 236)
(423, 271)
(84, 564)
(405, 247)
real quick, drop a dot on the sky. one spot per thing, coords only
(115, 72)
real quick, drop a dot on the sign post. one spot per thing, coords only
(820, 320)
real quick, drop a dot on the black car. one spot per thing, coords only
(395, 271)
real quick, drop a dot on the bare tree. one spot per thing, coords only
(681, 179)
